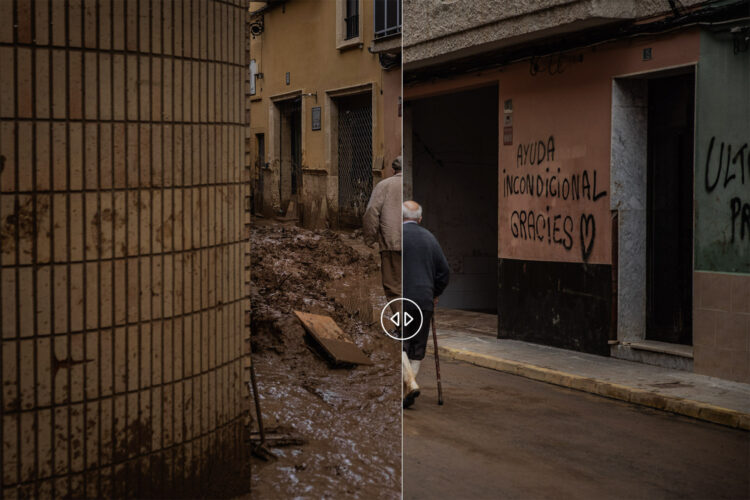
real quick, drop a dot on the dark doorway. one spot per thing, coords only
(290, 136)
(260, 165)
(454, 177)
(669, 244)
(354, 157)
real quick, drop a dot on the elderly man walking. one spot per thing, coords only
(382, 223)
(426, 275)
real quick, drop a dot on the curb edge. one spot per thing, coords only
(695, 409)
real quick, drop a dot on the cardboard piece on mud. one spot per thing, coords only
(337, 344)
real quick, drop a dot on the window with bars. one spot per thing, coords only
(352, 19)
(387, 18)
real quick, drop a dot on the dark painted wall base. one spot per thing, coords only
(558, 304)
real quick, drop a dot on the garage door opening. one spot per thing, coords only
(454, 161)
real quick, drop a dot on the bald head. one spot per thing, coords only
(412, 210)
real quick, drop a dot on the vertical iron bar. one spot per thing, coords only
(256, 398)
(34, 252)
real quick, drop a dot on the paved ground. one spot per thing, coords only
(470, 337)
(504, 436)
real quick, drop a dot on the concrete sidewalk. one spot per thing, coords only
(470, 337)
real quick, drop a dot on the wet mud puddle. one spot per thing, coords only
(350, 419)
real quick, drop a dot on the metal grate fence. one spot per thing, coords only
(355, 159)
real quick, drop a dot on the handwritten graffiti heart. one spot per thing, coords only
(588, 233)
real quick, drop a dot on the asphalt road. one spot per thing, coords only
(503, 436)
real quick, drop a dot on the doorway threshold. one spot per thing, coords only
(685, 351)
(652, 352)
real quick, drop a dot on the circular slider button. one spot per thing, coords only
(403, 319)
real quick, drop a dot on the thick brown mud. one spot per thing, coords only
(350, 418)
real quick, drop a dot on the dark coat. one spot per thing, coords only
(425, 267)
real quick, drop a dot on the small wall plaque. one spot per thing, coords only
(508, 106)
(508, 136)
(316, 118)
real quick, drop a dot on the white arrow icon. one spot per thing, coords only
(407, 319)
(395, 320)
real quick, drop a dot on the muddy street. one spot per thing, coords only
(349, 418)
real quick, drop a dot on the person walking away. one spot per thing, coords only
(426, 275)
(382, 224)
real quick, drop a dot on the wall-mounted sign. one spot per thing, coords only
(508, 136)
(316, 118)
(508, 106)
(253, 74)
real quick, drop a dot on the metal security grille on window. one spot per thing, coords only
(387, 18)
(352, 19)
(355, 163)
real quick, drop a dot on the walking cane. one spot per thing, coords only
(437, 361)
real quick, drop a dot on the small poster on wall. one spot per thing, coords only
(316, 118)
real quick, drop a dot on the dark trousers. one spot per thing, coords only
(390, 272)
(416, 346)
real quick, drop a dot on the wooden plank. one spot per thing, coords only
(337, 344)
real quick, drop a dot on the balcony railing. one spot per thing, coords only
(352, 27)
(387, 18)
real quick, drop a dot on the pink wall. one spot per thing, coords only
(561, 141)
(574, 108)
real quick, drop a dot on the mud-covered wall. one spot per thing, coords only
(121, 217)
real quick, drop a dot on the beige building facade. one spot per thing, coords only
(324, 106)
